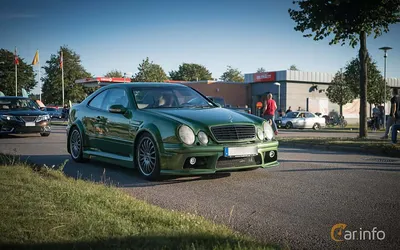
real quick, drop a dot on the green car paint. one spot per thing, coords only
(112, 134)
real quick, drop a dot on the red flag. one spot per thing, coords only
(61, 59)
(16, 59)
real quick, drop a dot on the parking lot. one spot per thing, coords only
(296, 203)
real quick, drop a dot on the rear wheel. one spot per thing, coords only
(147, 157)
(45, 134)
(316, 126)
(289, 125)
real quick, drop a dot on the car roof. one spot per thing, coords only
(145, 84)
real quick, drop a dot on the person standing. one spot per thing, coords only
(289, 109)
(396, 116)
(269, 112)
(376, 114)
(394, 102)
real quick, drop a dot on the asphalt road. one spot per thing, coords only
(295, 204)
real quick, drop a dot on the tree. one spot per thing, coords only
(150, 72)
(114, 73)
(375, 81)
(293, 67)
(232, 75)
(349, 21)
(190, 72)
(339, 91)
(261, 70)
(25, 74)
(73, 70)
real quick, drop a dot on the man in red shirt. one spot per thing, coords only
(269, 112)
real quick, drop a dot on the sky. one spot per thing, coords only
(119, 34)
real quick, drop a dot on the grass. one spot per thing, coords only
(42, 208)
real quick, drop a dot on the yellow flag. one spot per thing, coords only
(36, 58)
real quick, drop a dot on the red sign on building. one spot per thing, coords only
(264, 77)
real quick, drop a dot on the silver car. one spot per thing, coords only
(301, 119)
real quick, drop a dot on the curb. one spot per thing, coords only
(382, 151)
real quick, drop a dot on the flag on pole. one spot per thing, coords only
(36, 58)
(61, 60)
(16, 59)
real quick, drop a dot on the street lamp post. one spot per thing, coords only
(385, 49)
(279, 93)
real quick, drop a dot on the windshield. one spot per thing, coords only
(18, 104)
(169, 97)
(292, 114)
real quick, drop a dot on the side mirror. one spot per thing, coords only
(42, 108)
(117, 108)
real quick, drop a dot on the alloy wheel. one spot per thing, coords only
(147, 156)
(75, 144)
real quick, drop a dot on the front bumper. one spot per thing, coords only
(175, 159)
(18, 127)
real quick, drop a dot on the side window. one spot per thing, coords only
(309, 115)
(97, 101)
(116, 97)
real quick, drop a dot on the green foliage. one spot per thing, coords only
(73, 70)
(344, 19)
(293, 67)
(232, 75)
(191, 72)
(351, 21)
(114, 73)
(25, 74)
(150, 72)
(375, 82)
(261, 70)
(339, 91)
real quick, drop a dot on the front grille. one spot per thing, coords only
(234, 132)
(224, 162)
(28, 118)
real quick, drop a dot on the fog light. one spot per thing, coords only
(192, 161)
(271, 154)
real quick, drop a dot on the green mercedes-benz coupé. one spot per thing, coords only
(164, 128)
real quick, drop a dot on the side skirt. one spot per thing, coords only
(109, 158)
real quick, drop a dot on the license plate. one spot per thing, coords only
(240, 151)
(30, 124)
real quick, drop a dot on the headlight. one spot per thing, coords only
(268, 132)
(186, 135)
(203, 138)
(260, 134)
(43, 117)
(8, 117)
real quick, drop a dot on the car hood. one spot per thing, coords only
(205, 117)
(23, 112)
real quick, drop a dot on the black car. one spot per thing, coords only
(21, 115)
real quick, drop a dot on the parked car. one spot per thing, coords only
(221, 102)
(54, 112)
(159, 129)
(301, 119)
(21, 115)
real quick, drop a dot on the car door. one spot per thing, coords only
(118, 139)
(310, 120)
(301, 120)
(94, 122)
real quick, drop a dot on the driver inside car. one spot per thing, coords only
(166, 100)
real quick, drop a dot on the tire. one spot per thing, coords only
(75, 144)
(147, 157)
(44, 134)
(289, 125)
(316, 126)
